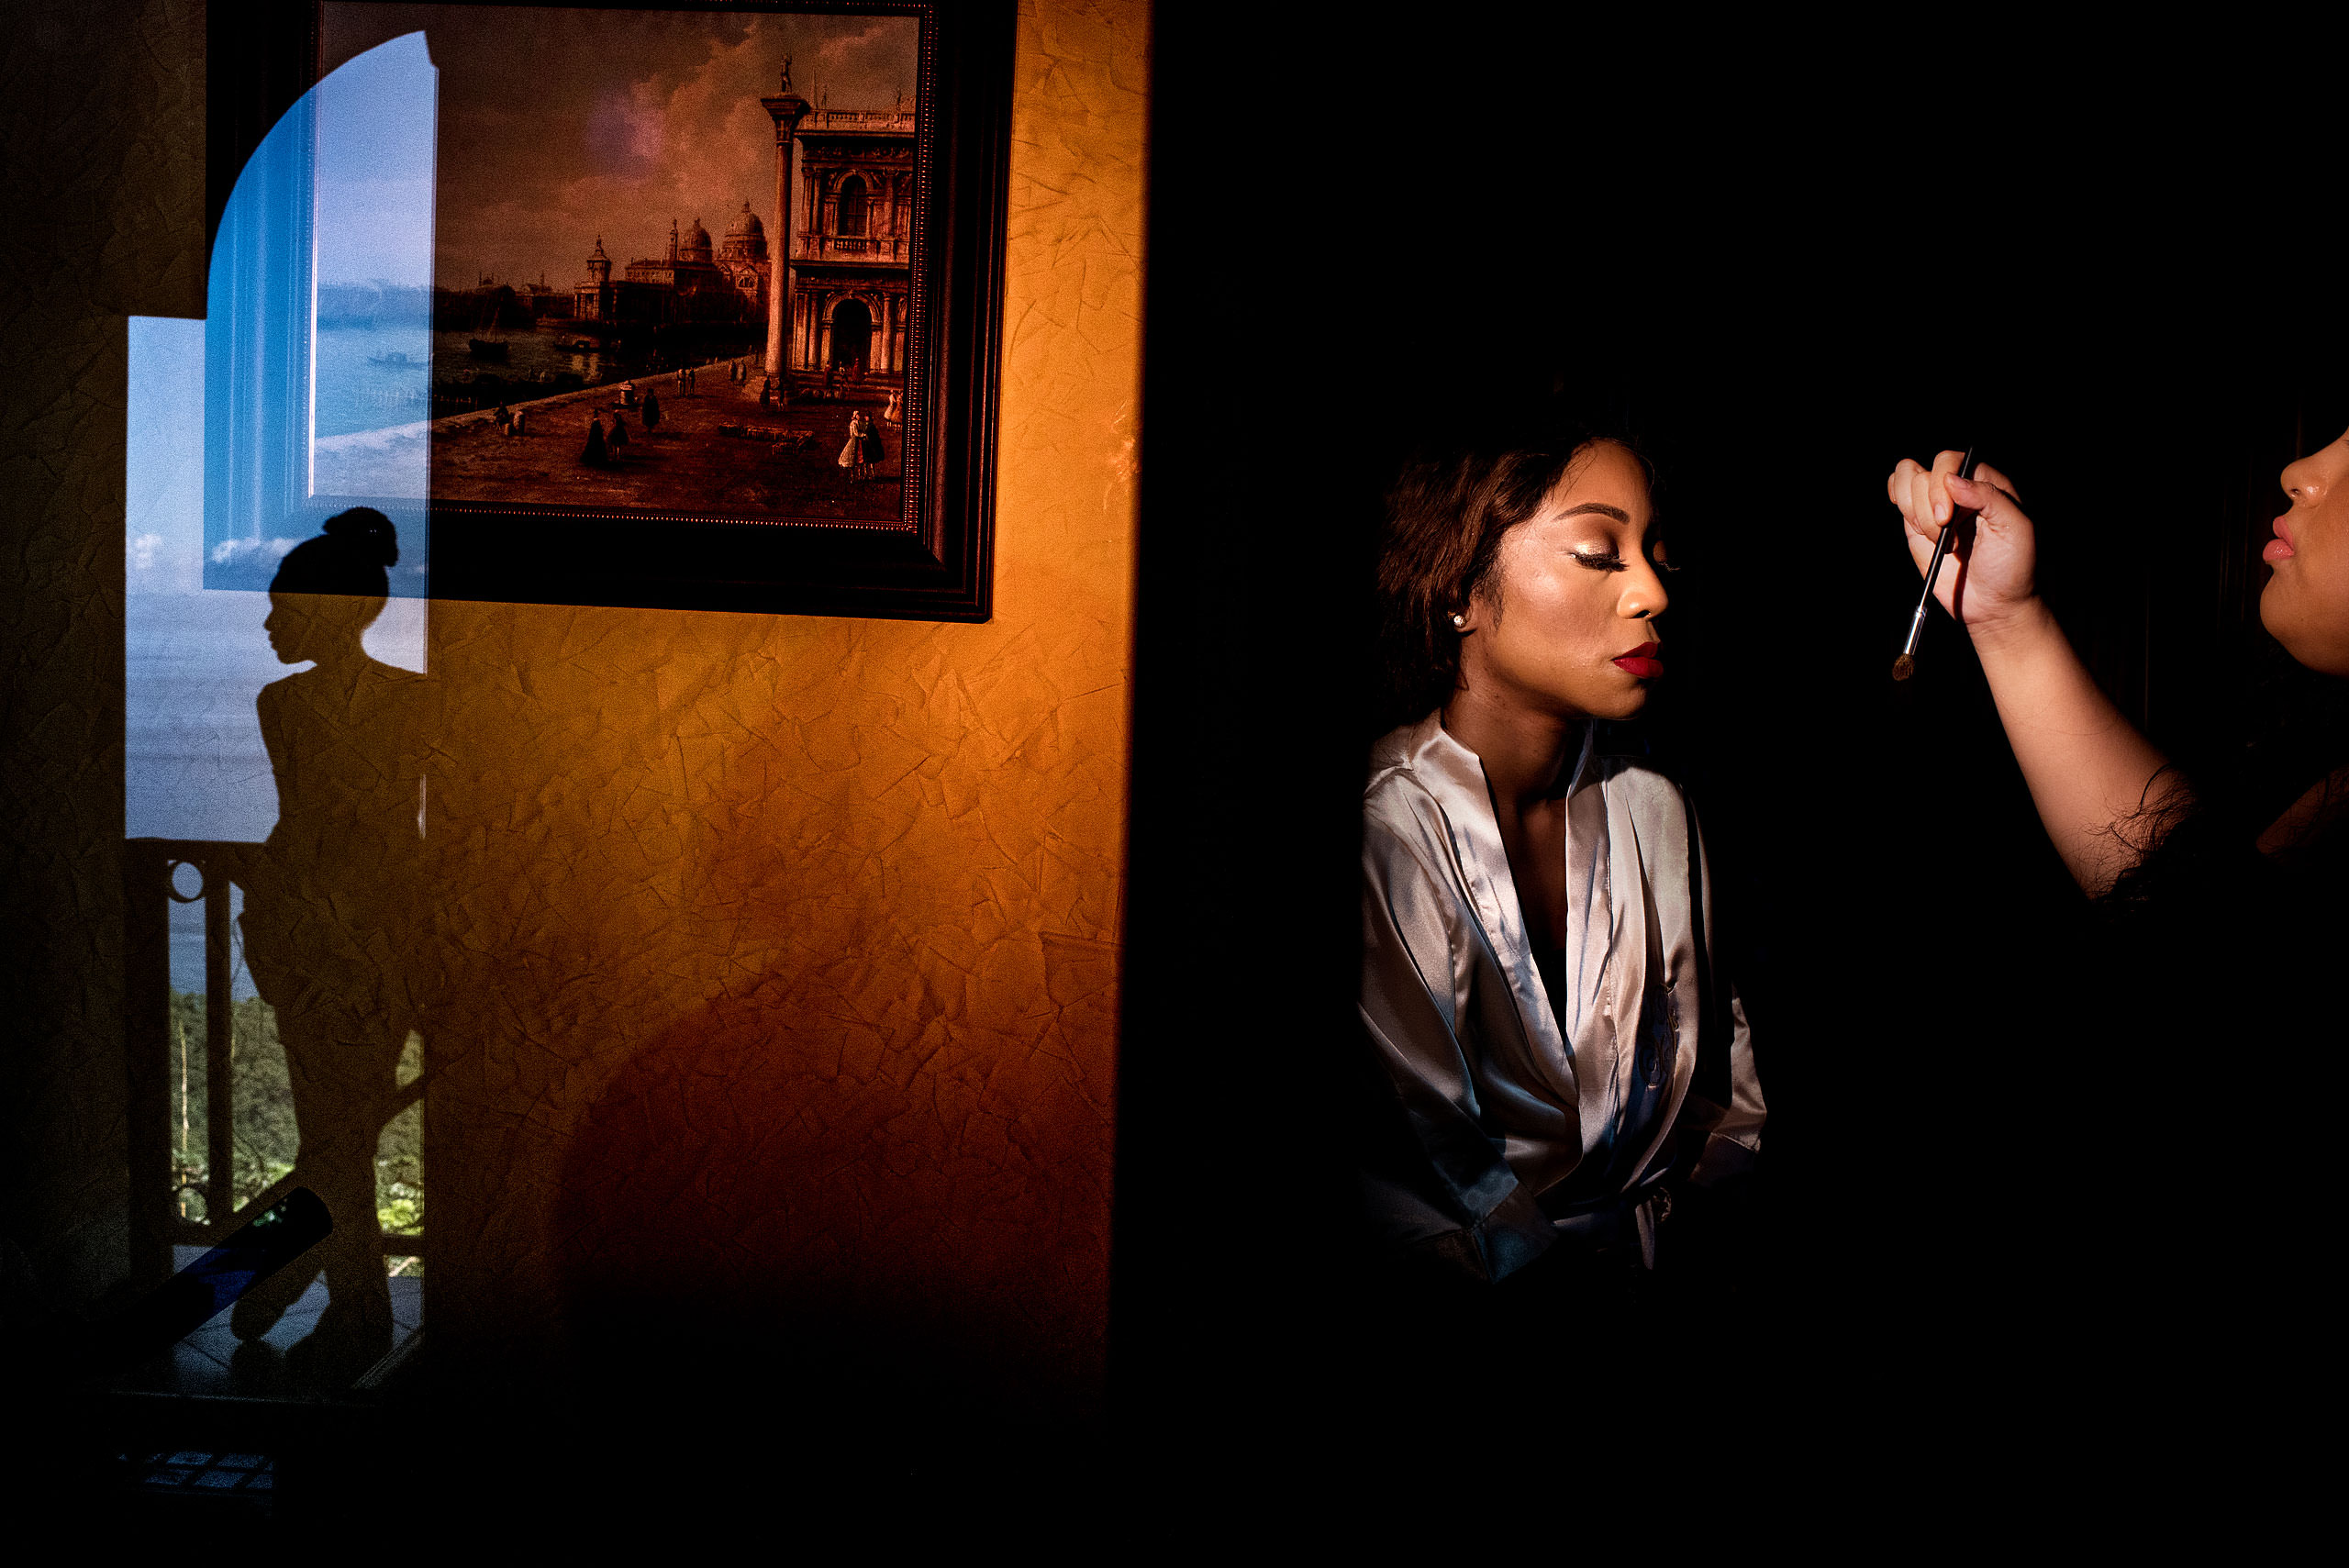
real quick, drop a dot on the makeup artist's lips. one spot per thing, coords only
(1643, 661)
(2280, 547)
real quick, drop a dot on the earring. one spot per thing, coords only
(1459, 621)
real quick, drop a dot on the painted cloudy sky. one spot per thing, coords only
(557, 125)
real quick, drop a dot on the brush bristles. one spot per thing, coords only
(1903, 667)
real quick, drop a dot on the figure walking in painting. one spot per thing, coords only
(871, 450)
(597, 454)
(893, 415)
(652, 411)
(617, 440)
(852, 451)
(334, 920)
(766, 387)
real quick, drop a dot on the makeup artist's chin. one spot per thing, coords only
(2311, 635)
(2279, 596)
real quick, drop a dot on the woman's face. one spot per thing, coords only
(2305, 606)
(1571, 629)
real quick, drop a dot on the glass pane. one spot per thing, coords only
(372, 342)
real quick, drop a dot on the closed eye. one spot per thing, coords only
(1607, 560)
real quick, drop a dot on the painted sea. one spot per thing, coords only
(378, 377)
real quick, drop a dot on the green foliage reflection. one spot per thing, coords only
(266, 1137)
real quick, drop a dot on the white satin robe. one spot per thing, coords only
(1522, 1127)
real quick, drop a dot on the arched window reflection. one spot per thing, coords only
(317, 321)
(302, 390)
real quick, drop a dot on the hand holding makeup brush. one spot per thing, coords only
(1990, 575)
(2087, 767)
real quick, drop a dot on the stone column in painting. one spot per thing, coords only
(786, 107)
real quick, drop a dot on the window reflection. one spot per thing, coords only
(276, 1036)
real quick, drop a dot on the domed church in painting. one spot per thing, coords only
(692, 282)
(848, 305)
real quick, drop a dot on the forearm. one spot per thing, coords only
(2087, 767)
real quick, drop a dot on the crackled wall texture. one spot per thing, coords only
(785, 949)
(786, 946)
(101, 118)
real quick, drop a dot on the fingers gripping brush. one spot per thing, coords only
(1906, 666)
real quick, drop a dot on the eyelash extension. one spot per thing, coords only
(1598, 563)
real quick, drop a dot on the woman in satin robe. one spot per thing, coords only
(1556, 1050)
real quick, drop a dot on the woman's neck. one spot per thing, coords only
(1526, 753)
(341, 663)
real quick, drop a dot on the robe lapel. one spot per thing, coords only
(1465, 796)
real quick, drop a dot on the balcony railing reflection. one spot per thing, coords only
(160, 873)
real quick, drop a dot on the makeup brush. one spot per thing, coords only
(1906, 666)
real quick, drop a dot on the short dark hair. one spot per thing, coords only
(1446, 514)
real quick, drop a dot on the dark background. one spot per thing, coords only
(1789, 260)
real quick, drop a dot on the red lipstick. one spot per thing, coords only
(1643, 661)
(2280, 547)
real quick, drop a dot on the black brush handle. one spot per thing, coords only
(1933, 569)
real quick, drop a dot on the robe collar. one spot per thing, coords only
(1456, 776)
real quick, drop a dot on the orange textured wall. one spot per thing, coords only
(785, 947)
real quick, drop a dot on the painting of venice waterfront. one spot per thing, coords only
(638, 305)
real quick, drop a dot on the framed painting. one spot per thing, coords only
(697, 306)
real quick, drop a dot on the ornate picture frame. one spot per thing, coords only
(801, 413)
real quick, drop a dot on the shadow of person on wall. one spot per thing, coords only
(751, 1213)
(335, 919)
